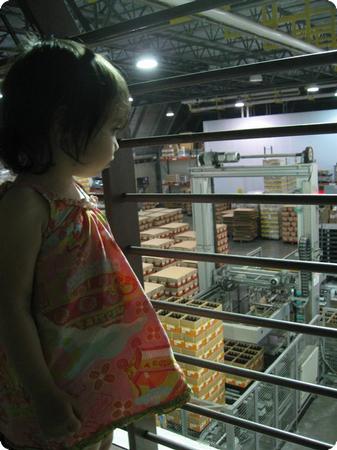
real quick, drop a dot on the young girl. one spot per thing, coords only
(81, 349)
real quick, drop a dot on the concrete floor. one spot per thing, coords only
(318, 422)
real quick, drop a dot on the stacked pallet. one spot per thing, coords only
(245, 224)
(178, 281)
(221, 238)
(278, 183)
(203, 338)
(158, 243)
(289, 224)
(155, 291)
(158, 262)
(186, 236)
(147, 270)
(175, 228)
(149, 205)
(228, 219)
(270, 221)
(158, 216)
(154, 233)
(219, 210)
(245, 355)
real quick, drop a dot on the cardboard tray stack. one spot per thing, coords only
(219, 210)
(270, 221)
(221, 238)
(189, 246)
(186, 236)
(155, 291)
(149, 205)
(175, 228)
(158, 243)
(228, 219)
(178, 281)
(203, 338)
(289, 224)
(147, 270)
(278, 184)
(245, 224)
(158, 216)
(245, 355)
(158, 262)
(154, 233)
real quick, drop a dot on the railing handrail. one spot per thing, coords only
(277, 199)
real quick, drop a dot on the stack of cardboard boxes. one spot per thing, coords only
(203, 338)
(270, 216)
(245, 224)
(177, 281)
(289, 224)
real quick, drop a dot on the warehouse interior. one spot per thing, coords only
(231, 34)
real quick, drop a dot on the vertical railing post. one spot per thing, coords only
(123, 216)
(136, 441)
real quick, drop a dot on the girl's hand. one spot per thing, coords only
(58, 415)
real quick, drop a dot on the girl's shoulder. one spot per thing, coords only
(20, 203)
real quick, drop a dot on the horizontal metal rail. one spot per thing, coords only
(163, 440)
(247, 320)
(257, 427)
(281, 199)
(272, 66)
(286, 264)
(285, 130)
(144, 24)
(260, 376)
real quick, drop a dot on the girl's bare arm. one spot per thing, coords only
(23, 216)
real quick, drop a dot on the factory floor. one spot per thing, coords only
(318, 422)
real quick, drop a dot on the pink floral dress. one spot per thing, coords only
(100, 336)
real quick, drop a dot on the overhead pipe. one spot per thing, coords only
(248, 26)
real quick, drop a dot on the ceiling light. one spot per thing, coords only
(1, 95)
(130, 99)
(336, 94)
(147, 63)
(256, 78)
(312, 89)
(239, 104)
(169, 113)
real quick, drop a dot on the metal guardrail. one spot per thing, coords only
(289, 264)
(280, 199)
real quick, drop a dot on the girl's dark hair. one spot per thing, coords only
(57, 85)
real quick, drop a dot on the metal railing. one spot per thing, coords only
(123, 198)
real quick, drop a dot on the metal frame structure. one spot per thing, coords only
(313, 266)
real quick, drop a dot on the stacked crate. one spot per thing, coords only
(221, 238)
(175, 228)
(154, 233)
(149, 205)
(203, 338)
(289, 224)
(244, 355)
(178, 281)
(245, 224)
(158, 262)
(147, 270)
(155, 291)
(270, 221)
(186, 236)
(219, 210)
(280, 183)
(158, 243)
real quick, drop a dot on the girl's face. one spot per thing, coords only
(100, 150)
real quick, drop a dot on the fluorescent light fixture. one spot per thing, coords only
(130, 99)
(147, 63)
(1, 96)
(312, 89)
(169, 113)
(239, 104)
(256, 78)
(336, 94)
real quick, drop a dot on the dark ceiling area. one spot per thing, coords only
(189, 38)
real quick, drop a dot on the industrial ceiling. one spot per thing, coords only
(235, 33)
